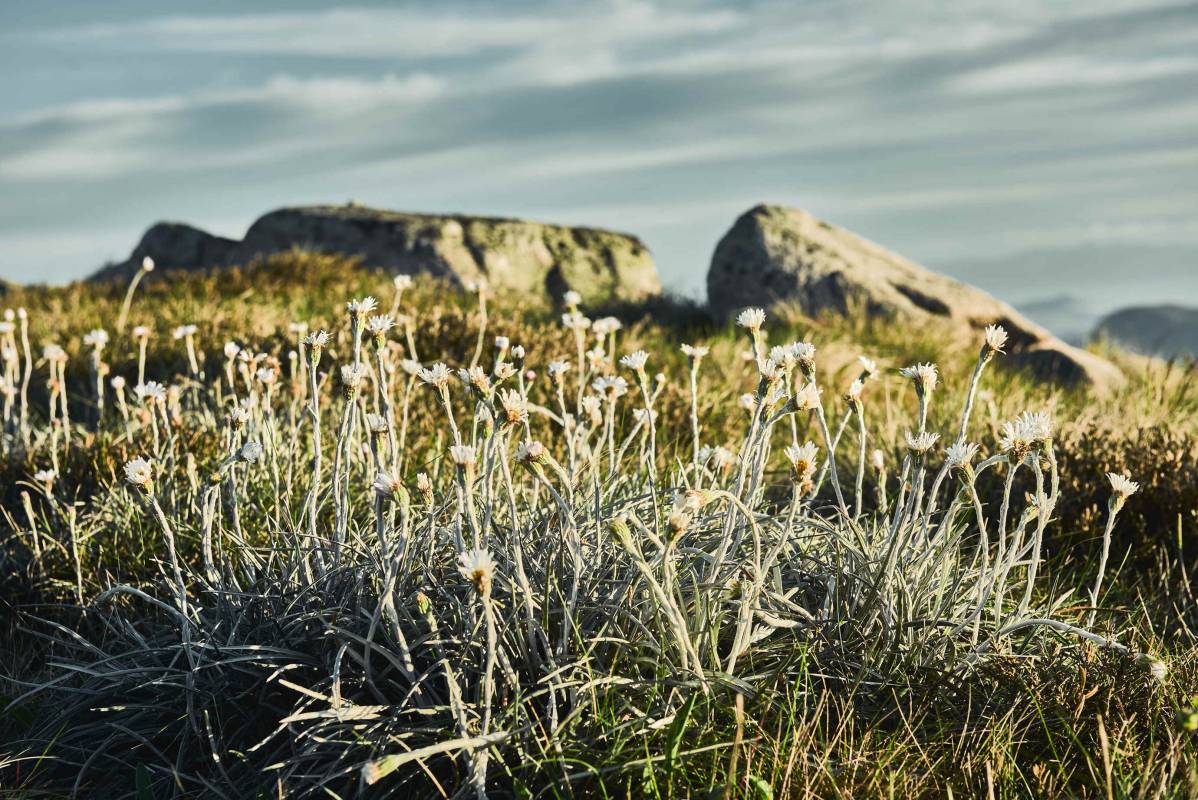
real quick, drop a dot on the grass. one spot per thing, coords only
(650, 618)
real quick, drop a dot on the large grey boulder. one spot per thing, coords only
(774, 254)
(173, 246)
(1168, 331)
(510, 254)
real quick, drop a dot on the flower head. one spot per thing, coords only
(803, 461)
(402, 282)
(572, 298)
(141, 332)
(576, 322)
(869, 367)
(751, 319)
(358, 307)
(635, 360)
(150, 392)
(557, 370)
(514, 405)
(317, 339)
(924, 376)
(45, 477)
(436, 376)
(921, 443)
(184, 331)
(995, 339)
(96, 338)
(1122, 485)
(463, 455)
(386, 485)
(478, 567)
(605, 326)
(960, 455)
(249, 452)
(695, 352)
(379, 325)
(139, 472)
(117, 382)
(147, 264)
(352, 376)
(530, 452)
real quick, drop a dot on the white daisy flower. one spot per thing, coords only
(402, 282)
(478, 567)
(751, 319)
(959, 455)
(515, 407)
(802, 460)
(635, 360)
(183, 331)
(317, 339)
(921, 443)
(572, 298)
(696, 352)
(1122, 485)
(150, 392)
(96, 338)
(437, 375)
(924, 376)
(463, 455)
(249, 452)
(358, 307)
(996, 338)
(147, 264)
(142, 332)
(380, 324)
(139, 472)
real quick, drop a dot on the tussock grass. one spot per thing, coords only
(312, 565)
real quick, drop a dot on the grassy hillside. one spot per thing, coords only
(669, 604)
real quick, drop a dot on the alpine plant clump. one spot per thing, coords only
(347, 602)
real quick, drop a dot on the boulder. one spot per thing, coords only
(174, 246)
(510, 254)
(1169, 331)
(774, 254)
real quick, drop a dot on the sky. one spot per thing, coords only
(1046, 151)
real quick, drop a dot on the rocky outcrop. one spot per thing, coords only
(174, 245)
(510, 254)
(774, 254)
(1168, 331)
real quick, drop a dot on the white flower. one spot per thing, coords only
(139, 472)
(141, 332)
(231, 350)
(96, 338)
(358, 307)
(411, 366)
(878, 460)
(267, 376)
(921, 443)
(530, 452)
(53, 352)
(249, 452)
(575, 321)
(595, 357)
(502, 343)
(572, 298)
(45, 476)
(183, 331)
(1122, 485)
(238, 416)
(960, 454)
(478, 567)
(635, 360)
(479, 285)
(592, 406)
(437, 375)
(352, 375)
(1022, 433)
(996, 338)
(504, 370)
(147, 264)
(515, 407)
(518, 352)
(748, 402)
(751, 318)
(802, 460)
(696, 352)
(463, 455)
(376, 423)
(804, 353)
(770, 370)
(150, 392)
(605, 326)
(475, 376)
(613, 386)
(8, 326)
(783, 355)
(402, 282)
(868, 366)
(317, 339)
(807, 398)
(117, 382)
(924, 376)
(386, 485)
(855, 390)
(638, 414)
(1157, 670)
(379, 325)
